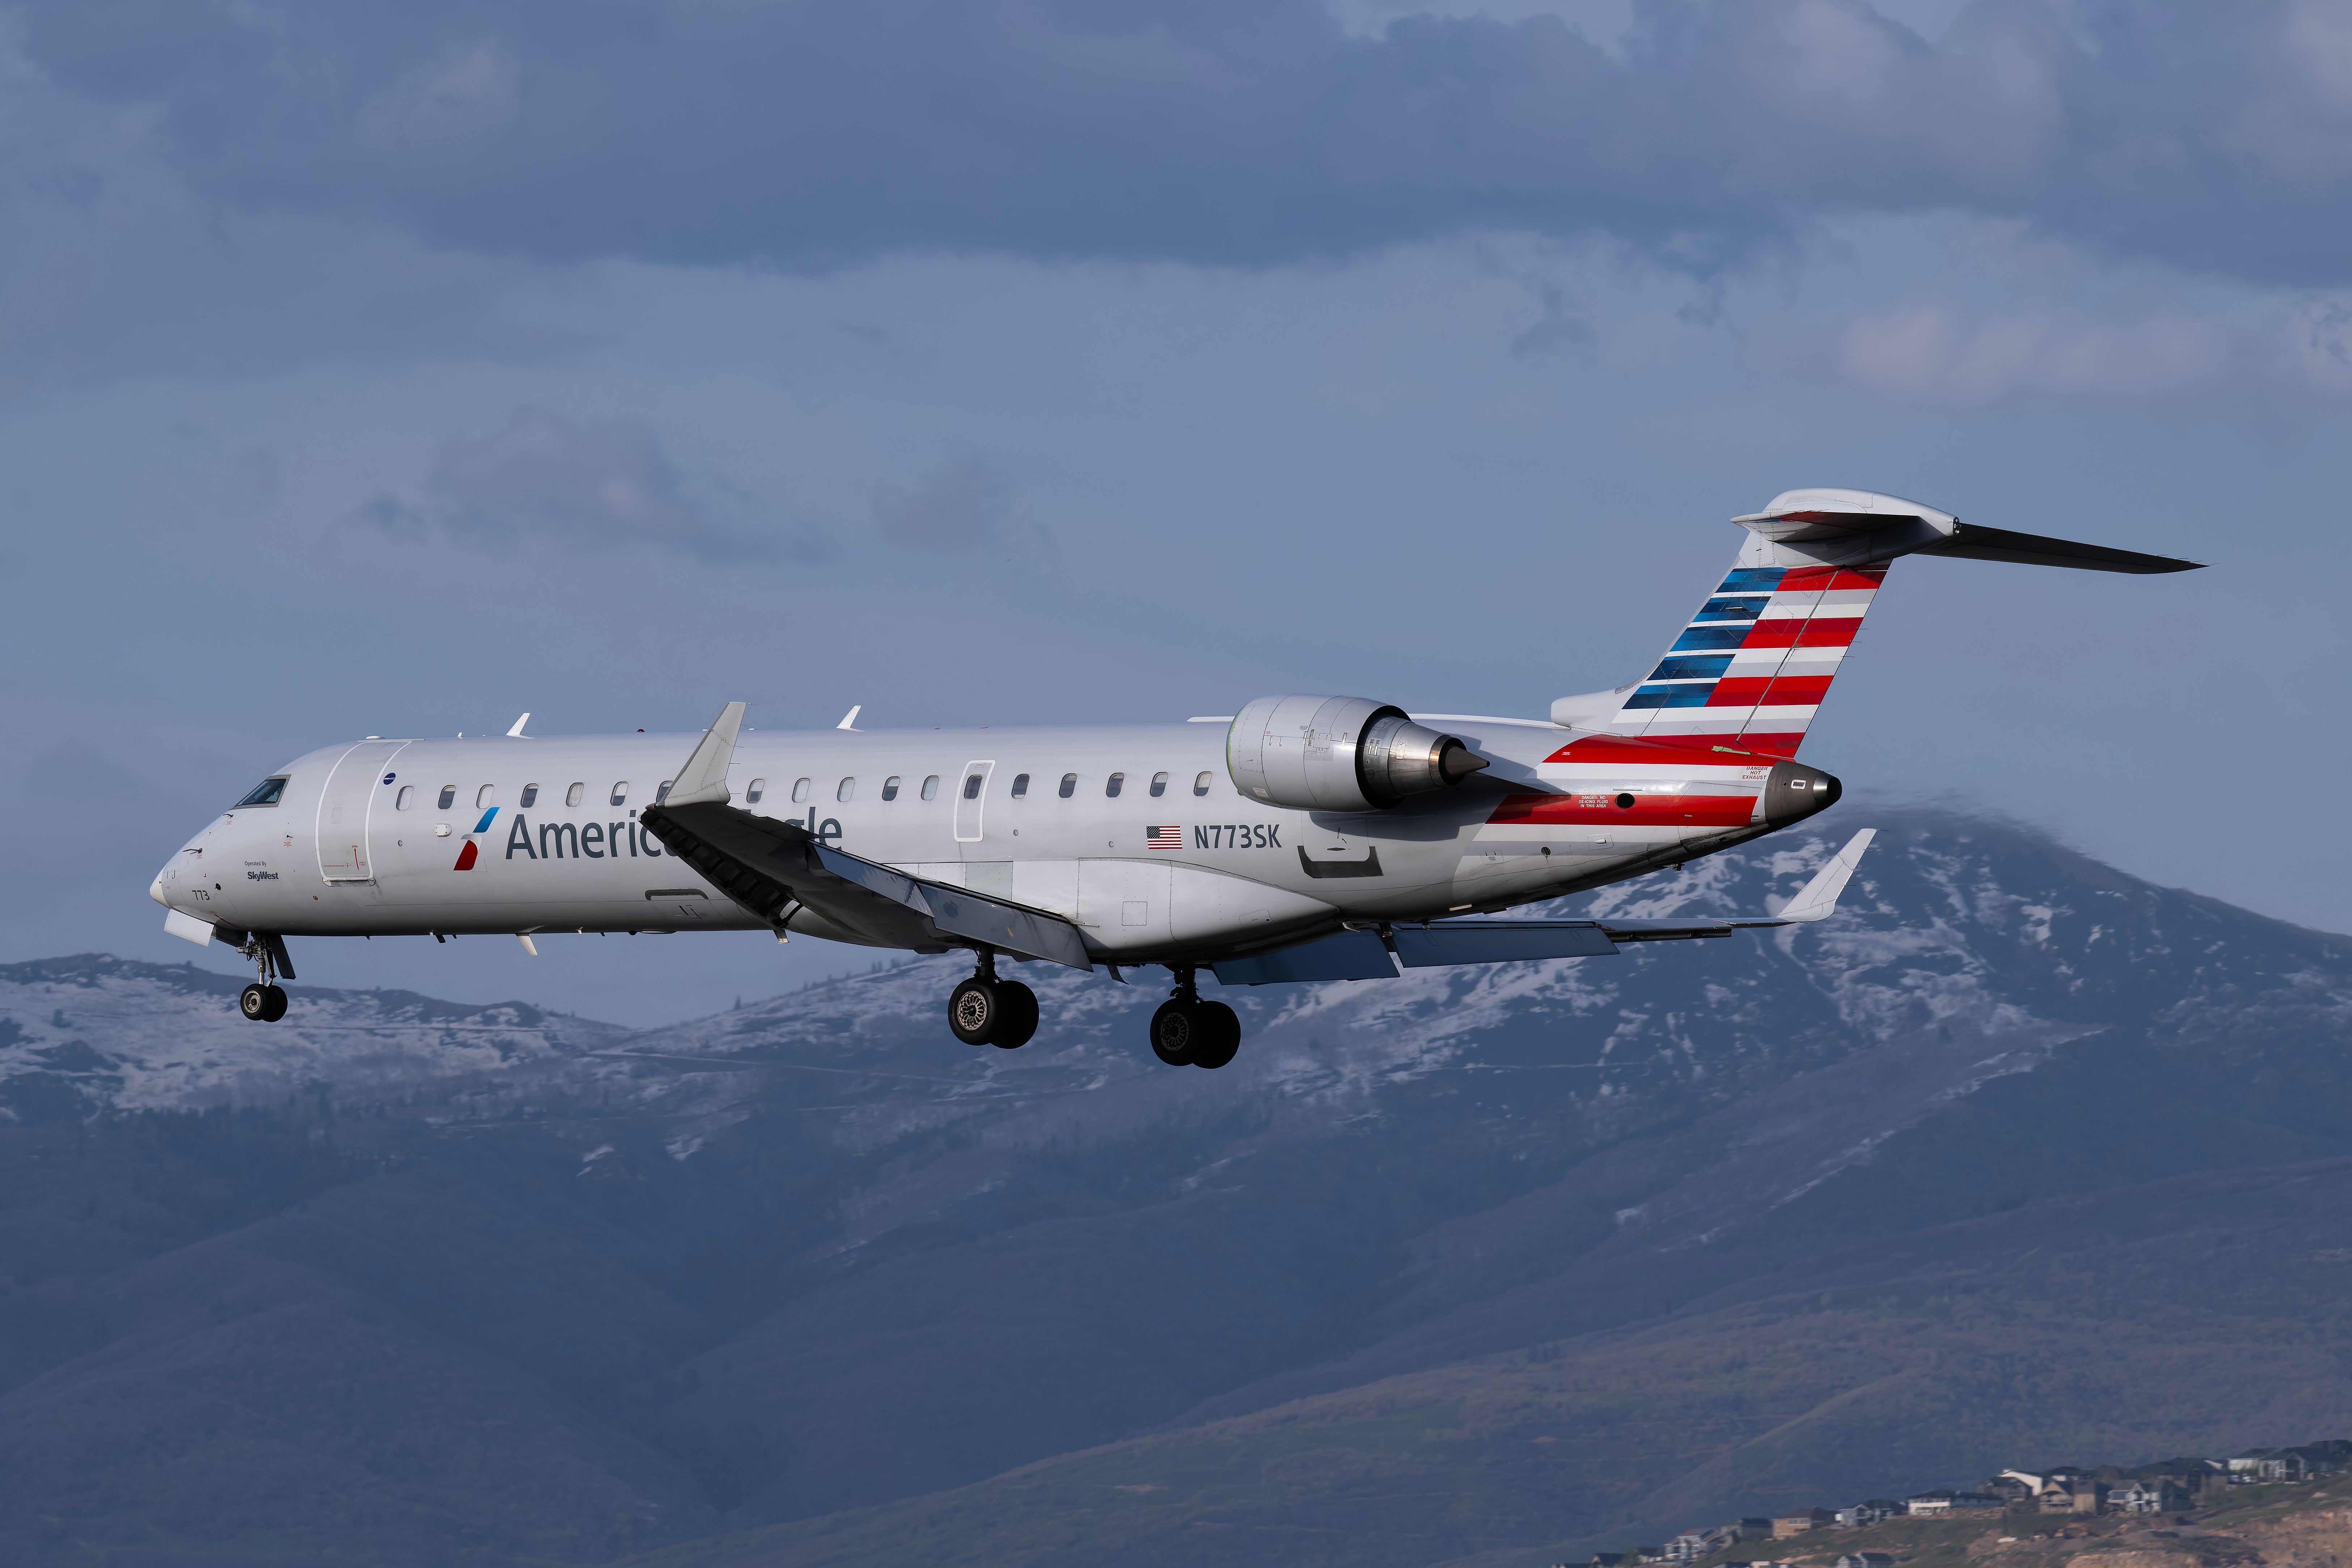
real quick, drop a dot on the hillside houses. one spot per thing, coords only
(2165, 1486)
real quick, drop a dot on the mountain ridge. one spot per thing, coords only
(806, 1267)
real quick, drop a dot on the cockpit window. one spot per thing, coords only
(265, 793)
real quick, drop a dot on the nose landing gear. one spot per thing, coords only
(986, 1011)
(264, 1002)
(1188, 1031)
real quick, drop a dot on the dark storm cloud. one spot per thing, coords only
(1246, 133)
(597, 485)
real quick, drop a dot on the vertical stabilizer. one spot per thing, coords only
(1750, 669)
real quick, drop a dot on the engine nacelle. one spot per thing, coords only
(1339, 754)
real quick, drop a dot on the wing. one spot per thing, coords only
(1353, 956)
(769, 867)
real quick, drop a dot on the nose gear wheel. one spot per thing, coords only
(264, 1002)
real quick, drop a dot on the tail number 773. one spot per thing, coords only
(1238, 836)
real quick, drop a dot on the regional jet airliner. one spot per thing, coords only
(1303, 838)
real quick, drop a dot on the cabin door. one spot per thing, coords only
(365, 774)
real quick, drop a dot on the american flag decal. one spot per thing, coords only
(1163, 838)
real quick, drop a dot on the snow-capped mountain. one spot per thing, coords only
(1610, 1244)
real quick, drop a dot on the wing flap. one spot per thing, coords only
(1350, 956)
(767, 866)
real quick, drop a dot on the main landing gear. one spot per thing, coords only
(1187, 1030)
(264, 1002)
(986, 1011)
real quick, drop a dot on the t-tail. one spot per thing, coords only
(1750, 669)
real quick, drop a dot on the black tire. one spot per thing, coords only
(1221, 1035)
(975, 1010)
(1176, 1031)
(254, 1002)
(1018, 1004)
(274, 1006)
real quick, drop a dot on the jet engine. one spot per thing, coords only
(1339, 754)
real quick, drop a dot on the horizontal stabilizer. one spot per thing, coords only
(1854, 528)
(2037, 549)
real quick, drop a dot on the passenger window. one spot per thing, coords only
(848, 790)
(571, 796)
(486, 797)
(399, 802)
(799, 791)
(621, 793)
(1069, 785)
(661, 791)
(1159, 785)
(448, 795)
(931, 788)
(529, 795)
(266, 793)
(971, 786)
(1200, 785)
(890, 788)
(751, 793)
(1112, 786)
(1020, 786)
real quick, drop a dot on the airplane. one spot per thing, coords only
(1303, 838)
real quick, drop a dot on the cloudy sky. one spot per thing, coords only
(393, 369)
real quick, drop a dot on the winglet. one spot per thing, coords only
(704, 777)
(849, 719)
(516, 733)
(1817, 898)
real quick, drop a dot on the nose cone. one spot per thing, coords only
(155, 891)
(1795, 791)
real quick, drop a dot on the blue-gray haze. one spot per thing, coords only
(396, 370)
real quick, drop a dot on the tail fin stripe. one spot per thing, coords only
(1784, 631)
(1824, 631)
(1695, 668)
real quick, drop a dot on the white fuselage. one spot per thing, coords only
(1176, 864)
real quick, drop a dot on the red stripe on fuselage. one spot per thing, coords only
(1716, 745)
(1636, 748)
(1599, 806)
